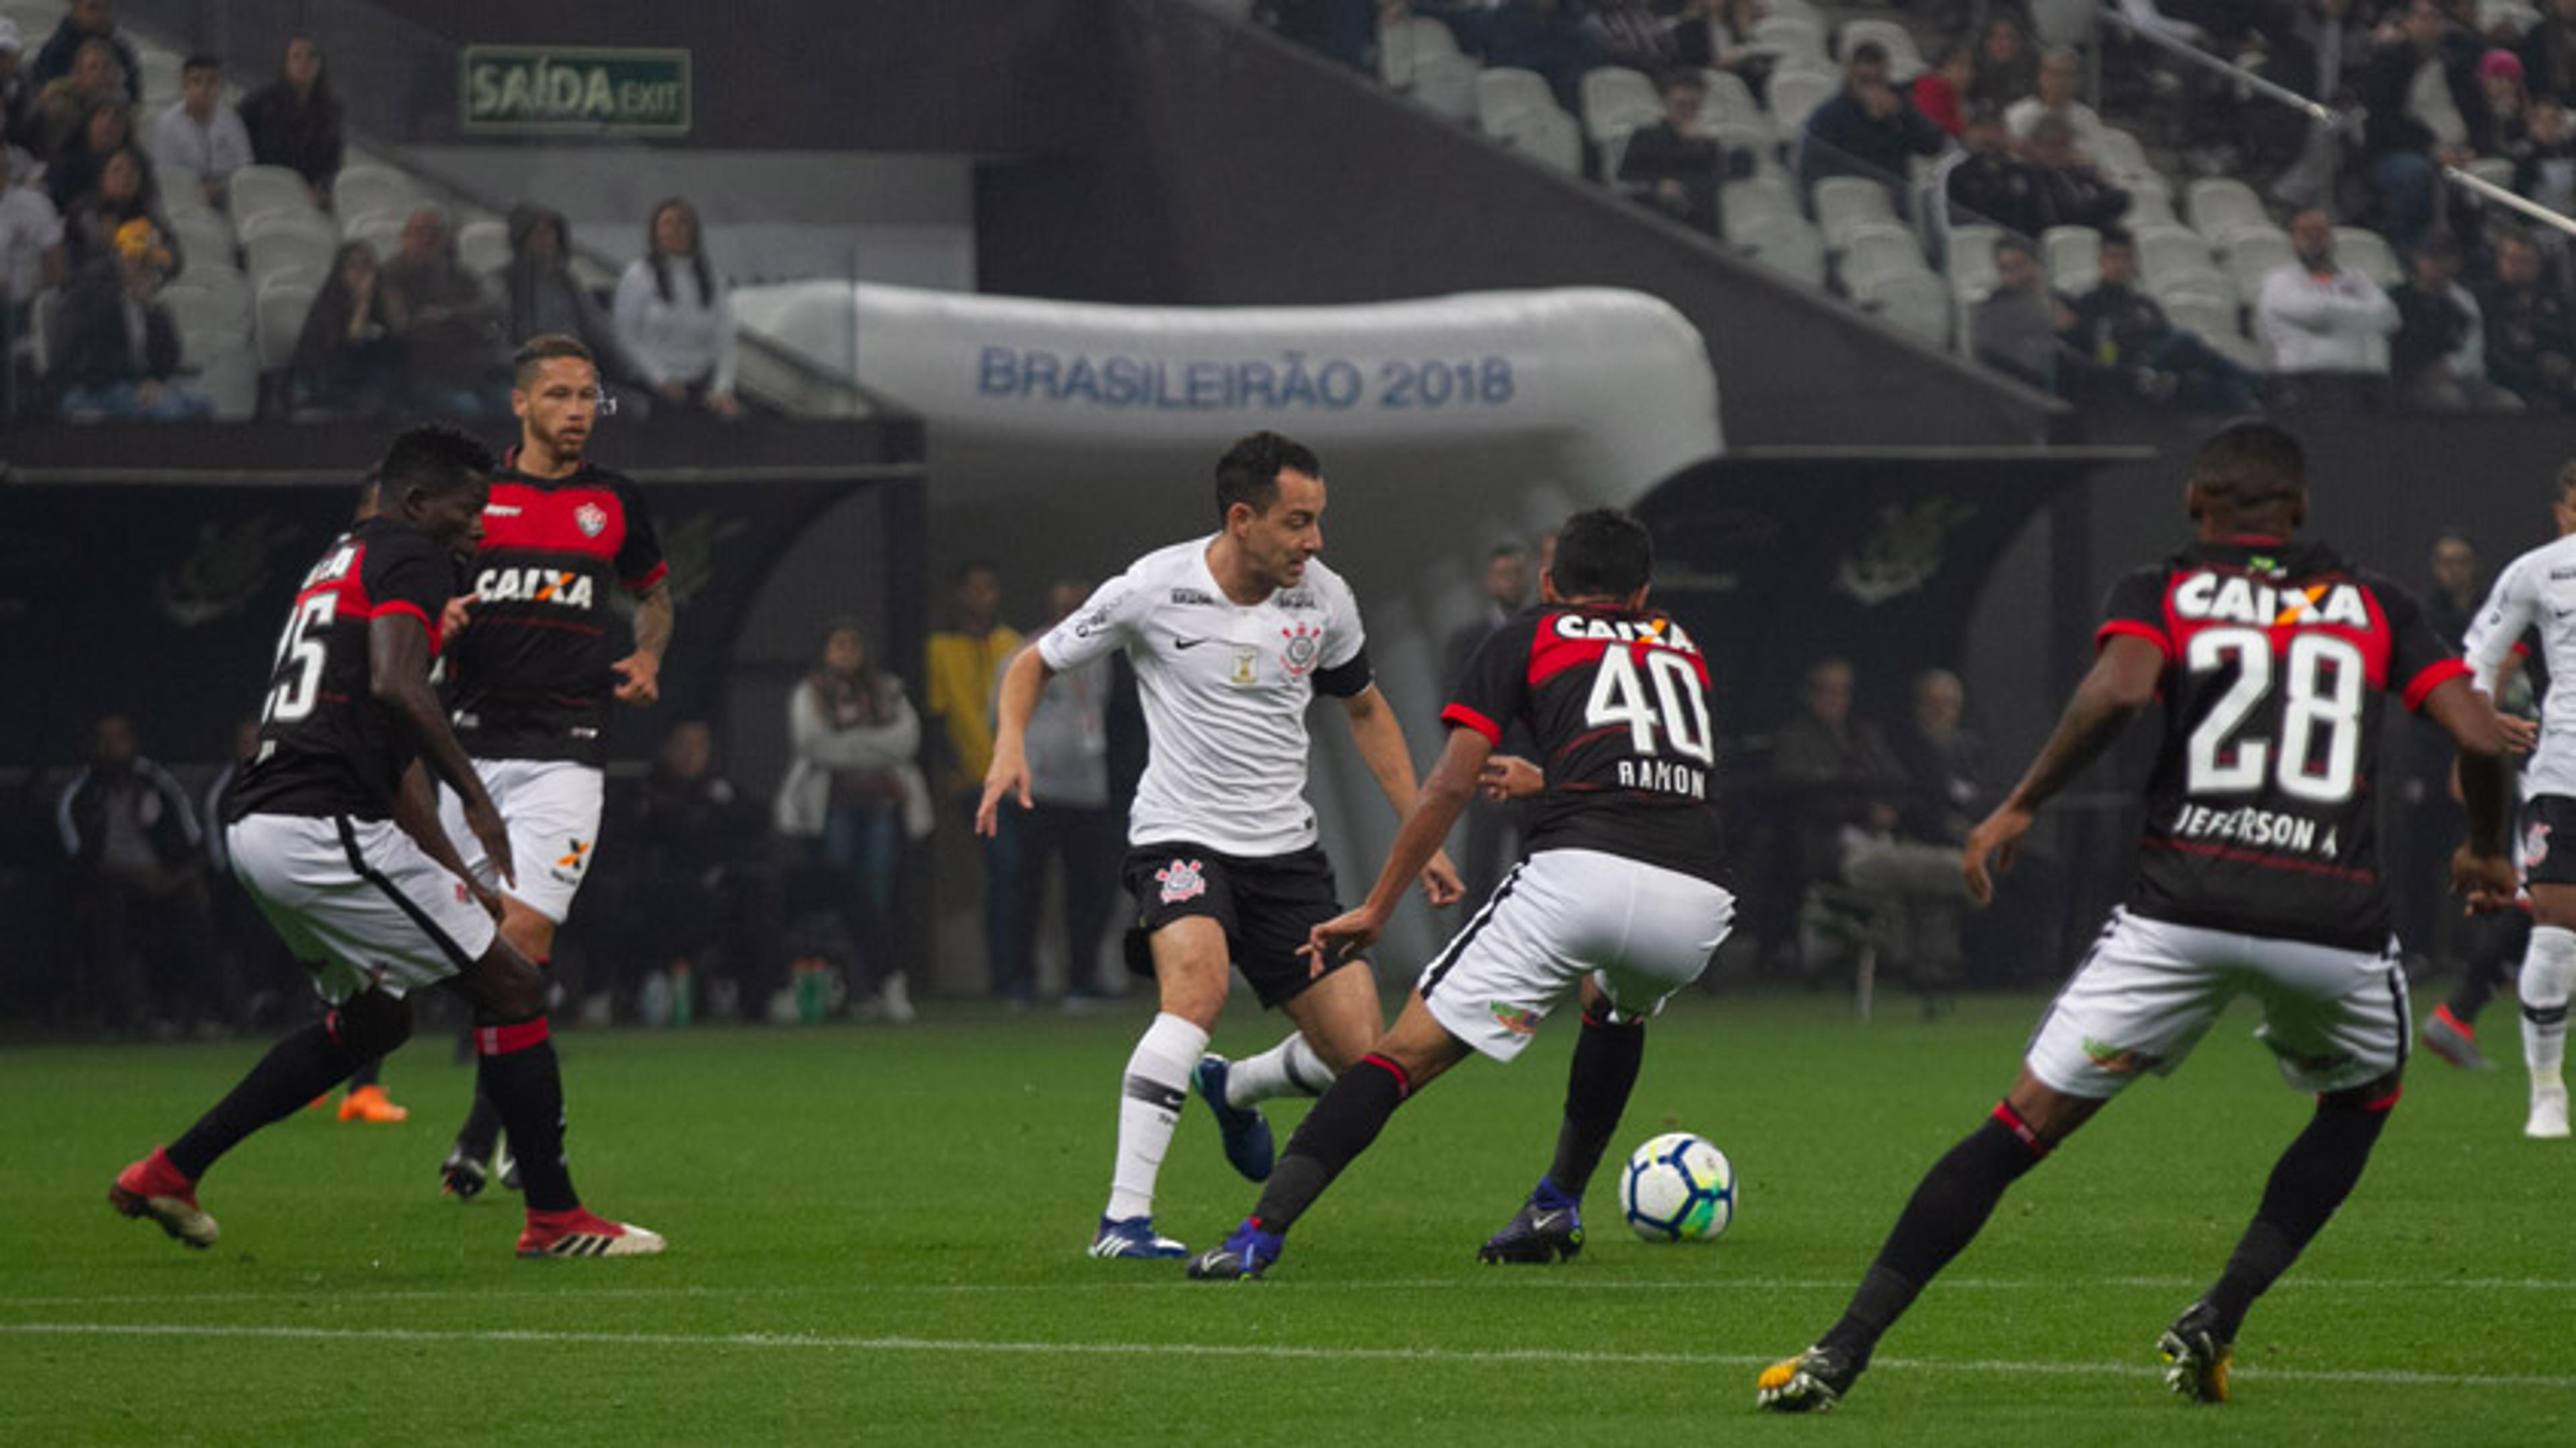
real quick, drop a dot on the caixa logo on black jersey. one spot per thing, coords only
(2231, 598)
(564, 587)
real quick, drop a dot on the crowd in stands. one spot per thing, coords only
(152, 245)
(2074, 139)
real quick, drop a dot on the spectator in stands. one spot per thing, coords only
(2546, 170)
(674, 315)
(2068, 190)
(73, 172)
(2439, 358)
(1718, 35)
(32, 254)
(699, 893)
(449, 327)
(197, 135)
(97, 77)
(2016, 327)
(85, 22)
(2005, 71)
(1069, 818)
(2531, 329)
(1993, 186)
(2315, 49)
(2061, 81)
(1546, 36)
(2327, 325)
(2121, 344)
(120, 350)
(124, 195)
(295, 120)
(2549, 53)
(1941, 92)
(1675, 165)
(544, 297)
(1868, 129)
(855, 790)
(138, 889)
(2427, 110)
(2508, 102)
(963, 661)
(17, 93)
(1942, 757)
(347, 362)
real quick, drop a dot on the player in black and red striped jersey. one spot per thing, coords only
(529, 683)
(2257, 872)
(332, 832)
(1621, 899)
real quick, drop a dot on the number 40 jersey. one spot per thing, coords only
(326, 747)
(1618, 704)
(2259, 810)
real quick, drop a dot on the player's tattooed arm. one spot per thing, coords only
(2123, 681)
(1381, 741)
(639, 674)
(398, 678)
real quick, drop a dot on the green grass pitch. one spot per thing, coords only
(877, 1236)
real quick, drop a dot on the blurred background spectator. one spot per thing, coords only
(448, 325)
(346, 360)
(2426, 109)
(1070, 819)
(696, 896)
(1675, 165)
(963, 661)
(1941, 93)
(138, 892)
(87, 22)
(674, 314)
(1868, 129)
(2438, 359)
(123, 196)
(197, 136)
(2119, 343)
(2327, 324)
(544, 297)
(120, 349)
(295, 121)
(63, 106)
(2531, 328)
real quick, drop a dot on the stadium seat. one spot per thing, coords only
(229, 376)
(2068, 24)
(2148, 206)
(1972, 259)
(1843, 202)
(1549, 137)
(483, 247)
(381, 230)
(45, 318)
(1783, 242)
(2192, 289)
(283, 306)
(2190, 312)
(2074, 256)
(205, 237)
(2120, 154)
(2172, 251)
(2366, 252)
(358, 190)
(2242, 350)
(1904, 62)
(161, 72)
(1797, 10)
(1616, 101)
(1914, 302)
(2220, 203)
(1730, 99)
(1503, 93)
(1790, 35)
(258, 191)
(1754, 138)
(1872, 249)
(1795, 94)
(1418, 56)
(287, 245)
(204, 319)
(2254, 256)
(1750, 204)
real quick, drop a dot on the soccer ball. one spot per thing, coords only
(1678, 1188)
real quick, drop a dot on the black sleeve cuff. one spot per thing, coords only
(1346, 680)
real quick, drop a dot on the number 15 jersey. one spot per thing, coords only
(1618, 703)
(2259, 810)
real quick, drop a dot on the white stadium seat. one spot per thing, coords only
(359, 190)
(2074, 255)
(283, 305)
(258, 191)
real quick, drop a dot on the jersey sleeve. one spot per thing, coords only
(640, 564)
(1493, 688)
(2418, 661)
(2136, 608)
(1345, 637)
(414, 576)
(2512, 608)
(1102, 625)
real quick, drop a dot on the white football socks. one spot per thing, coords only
(1149, 1109)
(2548, 976)
(1290, 1068)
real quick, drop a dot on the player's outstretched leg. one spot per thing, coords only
(1549, 1226)
(2496, 945)
(163, 1185)
(2548, 977)
(2309, 1182)
(1234, 1091)
(1941, 1219)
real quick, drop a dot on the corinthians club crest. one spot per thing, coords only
(1305, 644)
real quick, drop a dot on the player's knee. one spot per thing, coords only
(506, 988)
(2374, 1099)
(371, 1023)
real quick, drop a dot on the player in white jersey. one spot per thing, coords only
(1231, 636)
(2538, 591)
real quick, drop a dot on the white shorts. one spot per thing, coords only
(2149, 990)
(552, 809)
(358, 901)
(1639, 931)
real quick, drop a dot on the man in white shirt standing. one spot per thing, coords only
(2061, 78)
(2538, 590)
(1231, 636)
(2327, 326)
(199, 134)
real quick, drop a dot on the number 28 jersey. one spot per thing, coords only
(326, 747)
(2259, 810)
(1618, 705)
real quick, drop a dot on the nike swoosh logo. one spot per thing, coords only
(1187, 643)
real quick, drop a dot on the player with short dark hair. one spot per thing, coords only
(1620, 899)
(528, 684)
(332, 833)
(1232, 636)
(2257, 871)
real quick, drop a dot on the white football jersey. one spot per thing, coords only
(2536, 591)
(1225, 688)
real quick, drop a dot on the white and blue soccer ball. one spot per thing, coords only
(1678, 1188)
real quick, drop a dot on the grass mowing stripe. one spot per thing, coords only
(1578, 1356)
(1496, 1283)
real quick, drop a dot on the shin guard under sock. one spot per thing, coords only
(1150, 1097)
(2308, 1183)
(295, 1070)
(1606, 1058)
(1944, 1216)
(517, 1070)
(1341, 1126)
